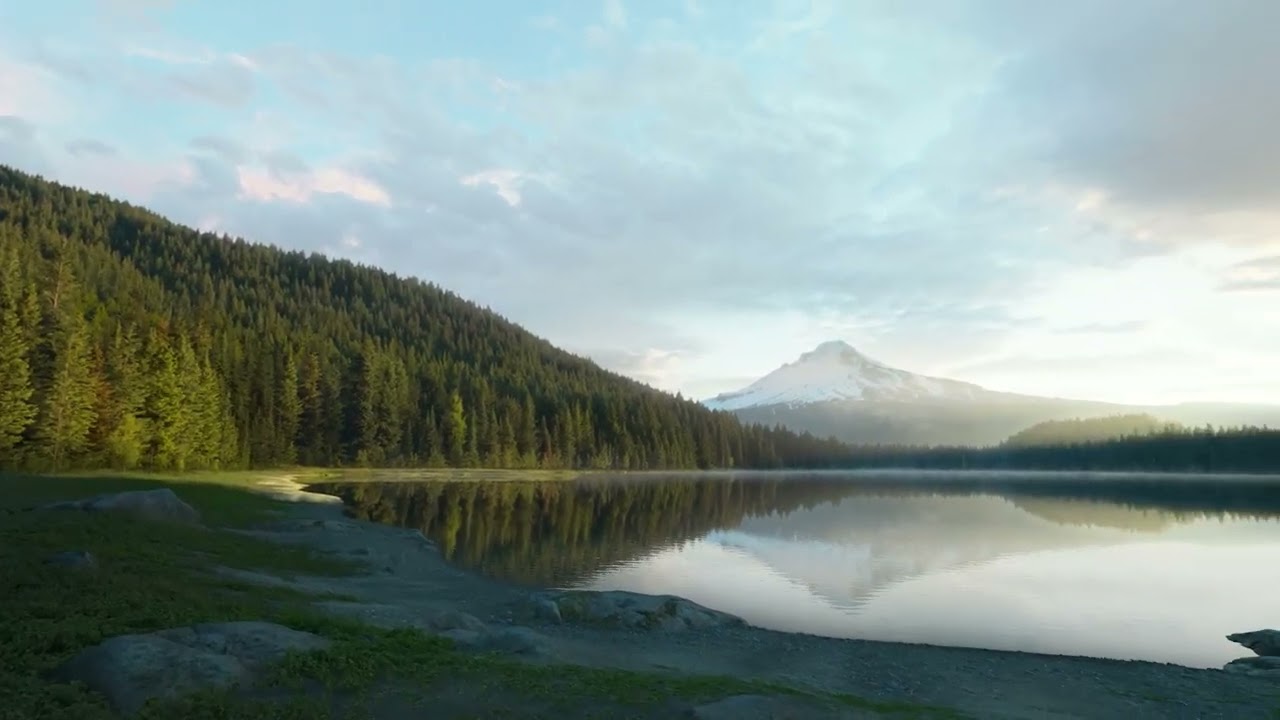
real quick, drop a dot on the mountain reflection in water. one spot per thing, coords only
(1143, 567)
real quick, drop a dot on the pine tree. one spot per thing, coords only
(311, 430)
(164, 410)
(68, 407)
(364, 403)
(432, 443)
(16, 409)
(289, 414)
(123, 431)
(455, 431)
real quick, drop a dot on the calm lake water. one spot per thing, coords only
(1134, 567)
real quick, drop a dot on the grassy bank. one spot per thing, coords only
(154, 575)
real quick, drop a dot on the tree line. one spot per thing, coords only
(1172, 449)
(1075, 431)
(128, 341)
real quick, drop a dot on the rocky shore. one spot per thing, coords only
(406, 584)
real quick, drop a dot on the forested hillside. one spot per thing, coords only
(1083, 430)
(129, 341)
(1242, 449)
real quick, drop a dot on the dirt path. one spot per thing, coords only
(409, 581)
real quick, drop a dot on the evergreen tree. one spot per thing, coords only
(289, 414)
(68, 402)
(16, 390)
(164, 409)
(121, 428)
(455, 431)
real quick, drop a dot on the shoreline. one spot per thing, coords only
(409, 580)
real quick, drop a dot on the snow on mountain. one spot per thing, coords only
(836, 371)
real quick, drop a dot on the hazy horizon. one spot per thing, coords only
(1064, 201)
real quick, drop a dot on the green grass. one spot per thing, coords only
(362, 662)
(157, 575)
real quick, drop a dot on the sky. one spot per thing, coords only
(1075, 199)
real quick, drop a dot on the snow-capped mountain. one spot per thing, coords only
(836, 371)
(833, 390)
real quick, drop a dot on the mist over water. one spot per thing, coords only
(1124, 566)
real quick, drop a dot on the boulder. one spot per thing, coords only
(1261, 642)
(517, 641)
(161, 504)
(1261, 666)
(448, 620)
(469, 633)
(130, 670)
(74, 559)
(618, 608)
(472, 639)
(547, 610)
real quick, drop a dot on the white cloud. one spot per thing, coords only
(506, 183)
(615, 15)
(259, 184)
(26, 90)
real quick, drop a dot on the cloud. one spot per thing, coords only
(1254, 275)
(615, 15)
(19, 144)
(301, 187)
(1268, 285)
(16, 129)
(659, 368)
(224, 80)
(506, 183)
(225, 148)
(89, 146)
(1126, 326)
(25, 89)
(1161, 109)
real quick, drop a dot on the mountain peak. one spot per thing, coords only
(836, 350)
(835, 371)
(832, 347)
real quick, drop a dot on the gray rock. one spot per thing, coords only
(634, 610)
(466, 638)
(161, 504)
(251, 641)
(768, 707)
(130, 670)
(547, 609)
(1261, 642)
(515, 640)
(1261, 666)
(74, 559)
(455, 620)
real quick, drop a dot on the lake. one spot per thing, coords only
(1123, 566)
